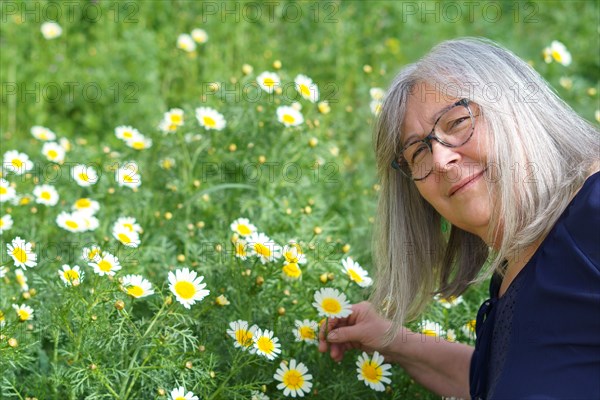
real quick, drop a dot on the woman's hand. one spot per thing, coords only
(363, 329)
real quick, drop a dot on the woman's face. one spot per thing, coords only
(457, 186)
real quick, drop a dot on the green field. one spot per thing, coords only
(118, 64)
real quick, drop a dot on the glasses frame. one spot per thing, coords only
(432, 136)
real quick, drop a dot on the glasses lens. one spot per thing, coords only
(417, 160)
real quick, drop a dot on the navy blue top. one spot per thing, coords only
(541, 339)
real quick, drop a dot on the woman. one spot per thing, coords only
(516, 177)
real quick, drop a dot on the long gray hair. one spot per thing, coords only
(541, 152)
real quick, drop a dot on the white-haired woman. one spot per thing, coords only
(473, 135)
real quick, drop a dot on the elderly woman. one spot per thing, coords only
(473, 135)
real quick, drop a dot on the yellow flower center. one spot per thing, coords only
(52, 153)
(93, 254)
(557, 56)
(269, 82)
(371, 371)
(21, 280)
(185, 290)
(293, 379)
(135, 291)
(20, 254)
(306, 332)
(292, 270)
(71, 275)
(84, 177)
(138, 145)
(304, 90)
(105, 266)
(45, 195)
(331, 305)
(471, 325)
(265, 345)
(71, 224)
(288, 119)
(180, 398)
(3, 190)
(83, 203)
(240, 249)
(208, 121)
(23, 315)
(354, 276)
(24, 201)
(124, 238)
(243, 337)
(17, 163)
(290, 257)
(176, 119)
(429, 332)
(43, 136)
(129, 226)
(127, 134)
(262, 250)
(1, 222)
(127, 178)
(244, 230)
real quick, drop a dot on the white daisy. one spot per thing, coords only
(256, 395)
(356, 273)
(72, 222)
(91, 254)
(22, 253)
(187, 287)
(180, 394)
(71, 276)
(199, 35)
(557, 52)
(372, 371)
(431, 328)
(7, 192)
(306, 331)
(240, 248)
(209, 118)
(291, 271)
(86, 206)
(84, 175)
(139, 142)
(376, 93)
(186, 43)
(90, 222)
(50, 30)
(21, 280)
(332, 303)
(53, 152)
(126, 132)
(24, 313)
(292, 253)
(307, 88)
(289, 116)
(295, 379)
(172, 120)
(45, 194)
(449, 302)
(16, 162)
(265, 344)
(451, 335)
(375, 107)
(42, 133)
(129, 223)
(468, 329)
(268, 81)
(242, 335)
(126, 237)
(65, 144)
(128, 176)
(263, 247)
(106, 265)
(137, 286)
(243, 227)
(6, 222)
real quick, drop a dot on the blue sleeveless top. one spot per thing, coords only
(541, 339)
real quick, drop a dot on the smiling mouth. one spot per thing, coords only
(465, 184)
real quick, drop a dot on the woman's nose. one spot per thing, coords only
(444, 157)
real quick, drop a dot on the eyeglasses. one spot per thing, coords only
(453, 128)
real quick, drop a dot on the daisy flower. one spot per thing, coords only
(375, 107)
(125, 236)
(242, 335)
(25, 313)
(376, 93)
(243, 227)
(71, 276)
(289, 116)
(180, 394)
(222, 301)
(65, 144)
(7, 192)
(139, 142)
(84, 175)
(107, 264)
(356, 273)
(199, 35)
(16, 162)
(53, 152)
(172, 120)
(468, 329)
(187, 287)
(557, 52)
(292, 253)
(90, 222)
(449, 302)
(372, 371)
(126, 132)
(268, 81)
(306, 331)
(21, 280)
(240, 248)
(91, 254)
(331, 303)
(209, 118)
(324, 107)
(167, 163)
(21, 253)
(265, 344)
(263, 247)
(45, 194)
(431, 328)
(2, 319)
(86, 206)
(186, 43)
(291, 271)
(307, 88)
(6, 222)
(136, 286)
(451, 335)
(256, 395)
(72, 222)
(127, 175)
(42, 133)
(50, 30)
(129, 223)
(295, 379)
